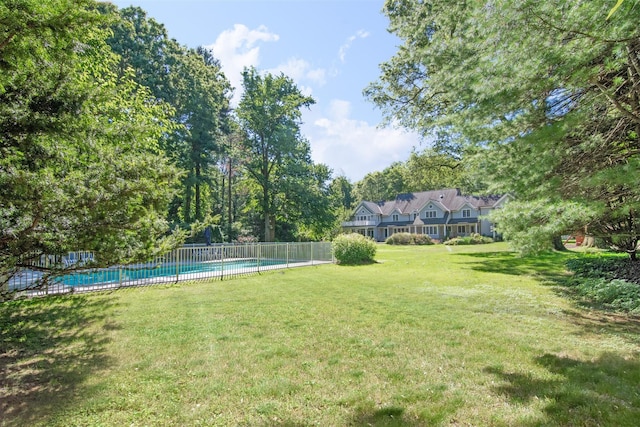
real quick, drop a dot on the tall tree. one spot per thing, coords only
(80, 164)
(269, 113)
(202, 103)
(191, 80)
(382, 185)
(430, 170)
(547, 94)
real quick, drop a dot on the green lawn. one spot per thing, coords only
(427, 336)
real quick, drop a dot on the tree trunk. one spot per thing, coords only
(230, 219)
(187, 204)
(198, 195)
(557, 243)
(269, 232)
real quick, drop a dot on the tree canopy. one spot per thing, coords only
(546, 96)
(192, 82)
(80, 165)
(277, 158)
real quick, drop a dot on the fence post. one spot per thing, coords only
(287, 255)
(311, 243)
(177, 264)
(222, 254)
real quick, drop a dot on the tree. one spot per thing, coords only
(269, 113)
(342, 200)
(191, 80)
(202, 103)
(80, 163)
(430, 170)
(384, 185)
(545, 96)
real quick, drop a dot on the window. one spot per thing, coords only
(462, 229)
(466, 213)
(430, 229)
(431, 214)
(395, 217)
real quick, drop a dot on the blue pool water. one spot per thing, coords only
(111, 275)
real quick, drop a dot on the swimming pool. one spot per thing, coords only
(159, 271)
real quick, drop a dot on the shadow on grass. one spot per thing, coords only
(598, 392)
(550, 266)
(389, 416)
(48, 347)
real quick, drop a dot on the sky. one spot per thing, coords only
(332, 49)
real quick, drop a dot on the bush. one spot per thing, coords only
(608, 280)
(408, 239)
(474, 239)
(354, 248)
(616, 294)
(422, 239)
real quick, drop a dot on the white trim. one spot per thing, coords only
(500, 200)
(437, 203)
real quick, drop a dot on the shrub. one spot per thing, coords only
(616, 294)
(408, 239)
(354, 248)
(474, 239)
(422, 239)
(399, 239)
(608, 280)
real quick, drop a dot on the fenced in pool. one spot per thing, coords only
(220, 261)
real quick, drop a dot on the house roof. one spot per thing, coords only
(451, 199)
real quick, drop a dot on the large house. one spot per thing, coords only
(441, 214)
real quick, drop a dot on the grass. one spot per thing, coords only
(429, 335)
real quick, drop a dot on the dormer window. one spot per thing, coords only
(395, 217)
(466, 213)
(431, 214)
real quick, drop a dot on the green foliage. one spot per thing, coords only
(474, 239)
(612, 282)
(616, 294)
(530, 227)
(595, 266)
(423, 171)
(287, 187)
(552, 114)
(354, 248)
(408, 239)
(80, 167)
(192, 82)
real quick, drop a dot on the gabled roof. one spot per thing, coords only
(451, 199)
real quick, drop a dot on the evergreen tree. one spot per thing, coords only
(545, 95)
(80, 163)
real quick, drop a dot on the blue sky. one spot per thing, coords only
(331, 48)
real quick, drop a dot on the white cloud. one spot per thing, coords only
(355, 147)
(342, 52)
(301, 72)
(238, 48)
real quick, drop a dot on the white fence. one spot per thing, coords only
(219, 261)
